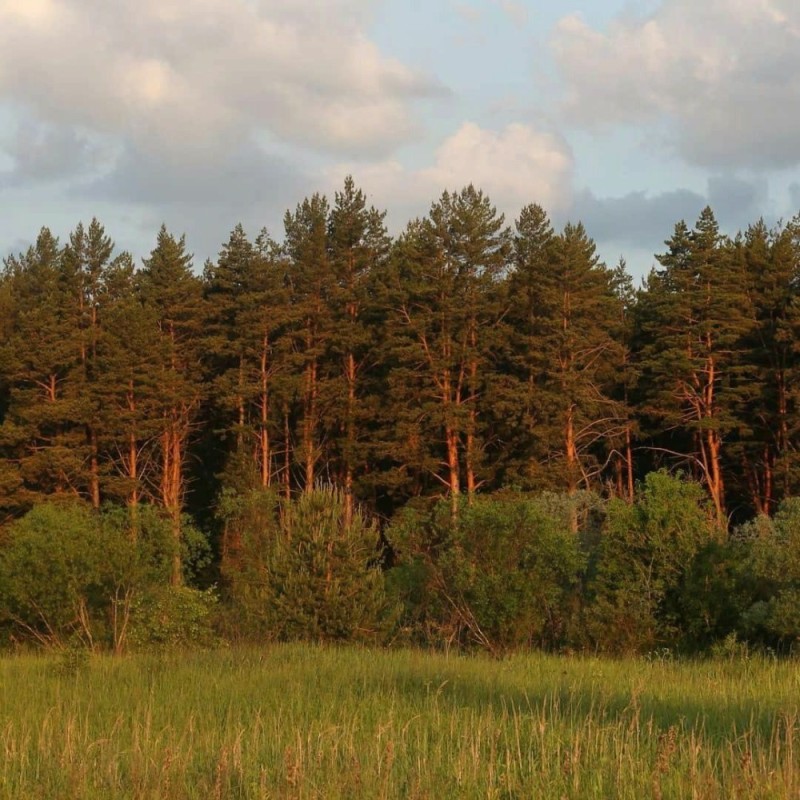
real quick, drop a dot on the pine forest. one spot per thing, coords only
(473, 434)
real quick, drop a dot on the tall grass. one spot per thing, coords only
(306, 722)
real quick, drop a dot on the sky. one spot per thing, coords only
(628, 115)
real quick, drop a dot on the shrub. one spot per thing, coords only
(645, 557)
(57, 574)
(302, 571)
(68, 572)
(174, 616)
(503, 574)
(774, 615)
(250, 528)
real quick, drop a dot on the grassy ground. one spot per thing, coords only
(304, 722)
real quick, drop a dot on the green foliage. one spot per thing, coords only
(68, 572)
(645, 556)
(250, 521)
(307, 573)
(502, 574)
(464, 356)
(56, 573)
(174, 616)
(776, 568)
(73, 658)
(512, 569)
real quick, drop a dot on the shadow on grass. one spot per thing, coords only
(719, 720)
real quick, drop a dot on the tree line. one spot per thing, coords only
(462, 358)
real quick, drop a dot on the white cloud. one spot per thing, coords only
(194, 77)
(516, 12)
(723, 75)
(515, 166)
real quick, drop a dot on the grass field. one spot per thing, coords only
(305, 722)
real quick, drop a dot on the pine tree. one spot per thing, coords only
(567, 313)
(444, 268)
(625, 383)
(9, 473)
(771, 264)
(695, 319)
(248, 312)
(173, 295)
(265, 315)
(312, 284)
(87, 261)
(42, 431)
(128, 391)
(223, 291)
(358, 245)
(520, 401)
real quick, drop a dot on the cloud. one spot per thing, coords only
(244, 177)
(189, 79)
(516, 12)
(468, 13)
(722, 76)
(41, 153)
(735, 201)
(247, 185)
(515, 166)
(637, 218)
(644, 221)
(794, 197)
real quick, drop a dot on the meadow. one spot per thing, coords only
(298, 721)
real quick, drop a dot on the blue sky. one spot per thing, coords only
(202, 113)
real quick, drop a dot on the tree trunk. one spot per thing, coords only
(715, 482)
(350, 438)
(713, 442)
(171, 491)
(241, 417)
(309, 418)
(472, 423)
(572, 463)
(287, 454)
(451, 438)
(629, 462)
(571, 449)
(94, 467)
(133, 474)
(265, 454)
(451, 443)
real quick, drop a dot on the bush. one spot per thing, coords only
(250, 523)
(68, 572)
(637, 594)
(174, 616)
(301, 571)
(774, 616)
(503, 574)
(55, 579)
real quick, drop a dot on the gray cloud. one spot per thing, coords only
(636, 219)
(516, 165)
(644, 221)
(43, 153)
(794, 197)
(516, 12)
(735, 201)
(151, 109)
(247, 186)
(245, 177)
